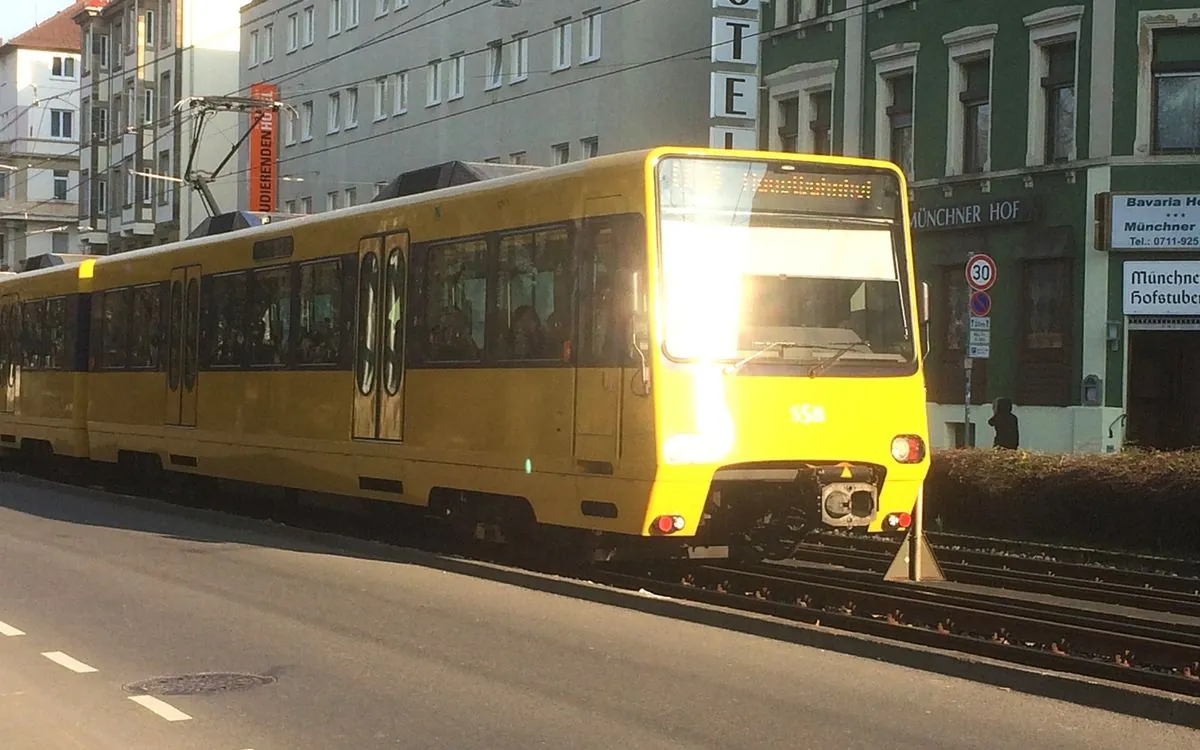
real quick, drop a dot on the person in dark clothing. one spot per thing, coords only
(1004, 422)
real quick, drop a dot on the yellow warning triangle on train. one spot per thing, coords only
(846, 471)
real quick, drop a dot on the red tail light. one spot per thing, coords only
(908, 449)
(668, 524)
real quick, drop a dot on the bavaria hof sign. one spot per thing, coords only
(1155, 222)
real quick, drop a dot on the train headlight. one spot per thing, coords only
(908, 449)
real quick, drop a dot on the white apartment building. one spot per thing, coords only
(376, 88)
(39, 130)
(143, 57)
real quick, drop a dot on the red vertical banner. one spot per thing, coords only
(263, 151)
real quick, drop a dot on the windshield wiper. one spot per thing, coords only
(736, 367)
(820, 366)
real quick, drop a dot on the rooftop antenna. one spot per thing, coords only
(208, 106)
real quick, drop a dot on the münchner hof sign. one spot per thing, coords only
(1162, 287)
(1155, 222)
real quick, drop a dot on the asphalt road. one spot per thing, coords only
(397, 650)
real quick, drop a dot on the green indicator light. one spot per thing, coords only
(528, 466)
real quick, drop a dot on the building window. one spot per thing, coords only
(560, 153)
(61, 121)
(168, 23)
(352, 16)
(310, 25)
(351, 108)
(252, 48)
(148, 106)
(520, 58)
(306, 120)
(400, 94)
(381, 103)
(789, 124)
(100, 49)
(900, 122)
(60, 184)
(590, 147)
(149, 28)
(291, 127)
(1176, 69)
(334, 123)
(351, 197)
(306, 205)
(3, 186)
(335, 17)
(977, 115)
(293, 32)
(458, 76)
(381, 7)
(1059, 92)
(495, 64)
(165, 97)
(562, 44)
(400, 5)
(821, 106)
(518, 157)
(101, 196)
(164, 186)
(268, 41)
(433, 83)
(289, 207)
(100, 123)
(63, 67)
(333, 201)
(590, 33)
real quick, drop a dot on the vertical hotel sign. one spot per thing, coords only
(263, 150)
(733, 76)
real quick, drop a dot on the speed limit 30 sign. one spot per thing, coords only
(981, 272)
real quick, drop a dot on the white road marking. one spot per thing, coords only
(162, 708)
(9, 631)
(61, 659)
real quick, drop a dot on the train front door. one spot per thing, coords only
(379, 337)
(599, 377)
(183, 346)
(10, 326)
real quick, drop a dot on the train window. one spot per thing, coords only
(114, 334)
(395, 286)
(146, 330)
(614, 248)
(33, 334)
(56, 333)
(270, 315)
(228, 334)
(457, 301)
(534, 296)
(368, 293)
(320, 313)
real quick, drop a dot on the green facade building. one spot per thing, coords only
(1062, 140)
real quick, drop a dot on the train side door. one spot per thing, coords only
(183, 346)
(599, 374)
(10, 332)
(379, 337)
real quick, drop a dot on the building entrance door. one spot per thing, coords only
(1164, 389)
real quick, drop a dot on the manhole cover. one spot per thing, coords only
(196, 684)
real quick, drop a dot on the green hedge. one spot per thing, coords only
(1134, 500)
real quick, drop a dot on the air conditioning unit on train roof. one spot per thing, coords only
(446, 175)
(46, 260)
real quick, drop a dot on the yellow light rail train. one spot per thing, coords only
(666, 348)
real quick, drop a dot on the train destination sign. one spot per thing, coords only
(972, 215)
(1155, 222)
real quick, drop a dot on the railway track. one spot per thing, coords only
(1156, 591)
(1040, 635)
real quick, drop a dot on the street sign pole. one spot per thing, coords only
(981, 275)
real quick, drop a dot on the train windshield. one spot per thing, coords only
(784, 265)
